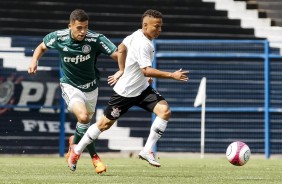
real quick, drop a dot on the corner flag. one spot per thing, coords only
(201, 96)
(201, 100)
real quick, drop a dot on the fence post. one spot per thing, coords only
(62, 125)
(154, 85)
(266, 100)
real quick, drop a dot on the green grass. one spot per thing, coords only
(189, 169)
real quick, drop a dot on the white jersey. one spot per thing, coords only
(140, 54)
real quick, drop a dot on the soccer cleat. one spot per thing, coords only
(149, 157)
(69, 151)
(73, 158)
(100, 167)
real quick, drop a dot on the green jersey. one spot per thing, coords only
(78, 58)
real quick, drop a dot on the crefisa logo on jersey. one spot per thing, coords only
(86, 49)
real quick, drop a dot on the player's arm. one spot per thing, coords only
(121, 56)
(114, 56)
(177, 75)
(38, 52)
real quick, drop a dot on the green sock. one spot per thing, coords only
(91, 149)
(79, 132)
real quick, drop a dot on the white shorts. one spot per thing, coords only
(71, 94)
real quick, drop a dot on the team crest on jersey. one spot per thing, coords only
(115, 112)
(86, 49)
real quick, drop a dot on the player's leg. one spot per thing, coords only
(154, 102)
(71, 96)
(83, 122)
(91, 134)
(159, 125)
(91, 102)
(117, 106)
(111, 114)
(83, 106)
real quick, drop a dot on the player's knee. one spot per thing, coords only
(167, 113)
(164, 113)
(83, 118)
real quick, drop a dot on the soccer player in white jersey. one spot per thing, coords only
(133, 89)
(78, 48)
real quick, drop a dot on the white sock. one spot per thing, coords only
(90, 135)
(157, 129)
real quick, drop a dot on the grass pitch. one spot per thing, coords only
(179, 170)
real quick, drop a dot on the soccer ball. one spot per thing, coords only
(238, 153)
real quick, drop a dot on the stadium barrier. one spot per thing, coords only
(228, 95)
(226, 49)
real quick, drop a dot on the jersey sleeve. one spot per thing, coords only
(50, 40)
(144, 55)
(127, 40)
(106, 46)
(141, 50)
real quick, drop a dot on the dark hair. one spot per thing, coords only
(79, 15)
(152, 13)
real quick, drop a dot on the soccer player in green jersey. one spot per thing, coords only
(78, 48)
